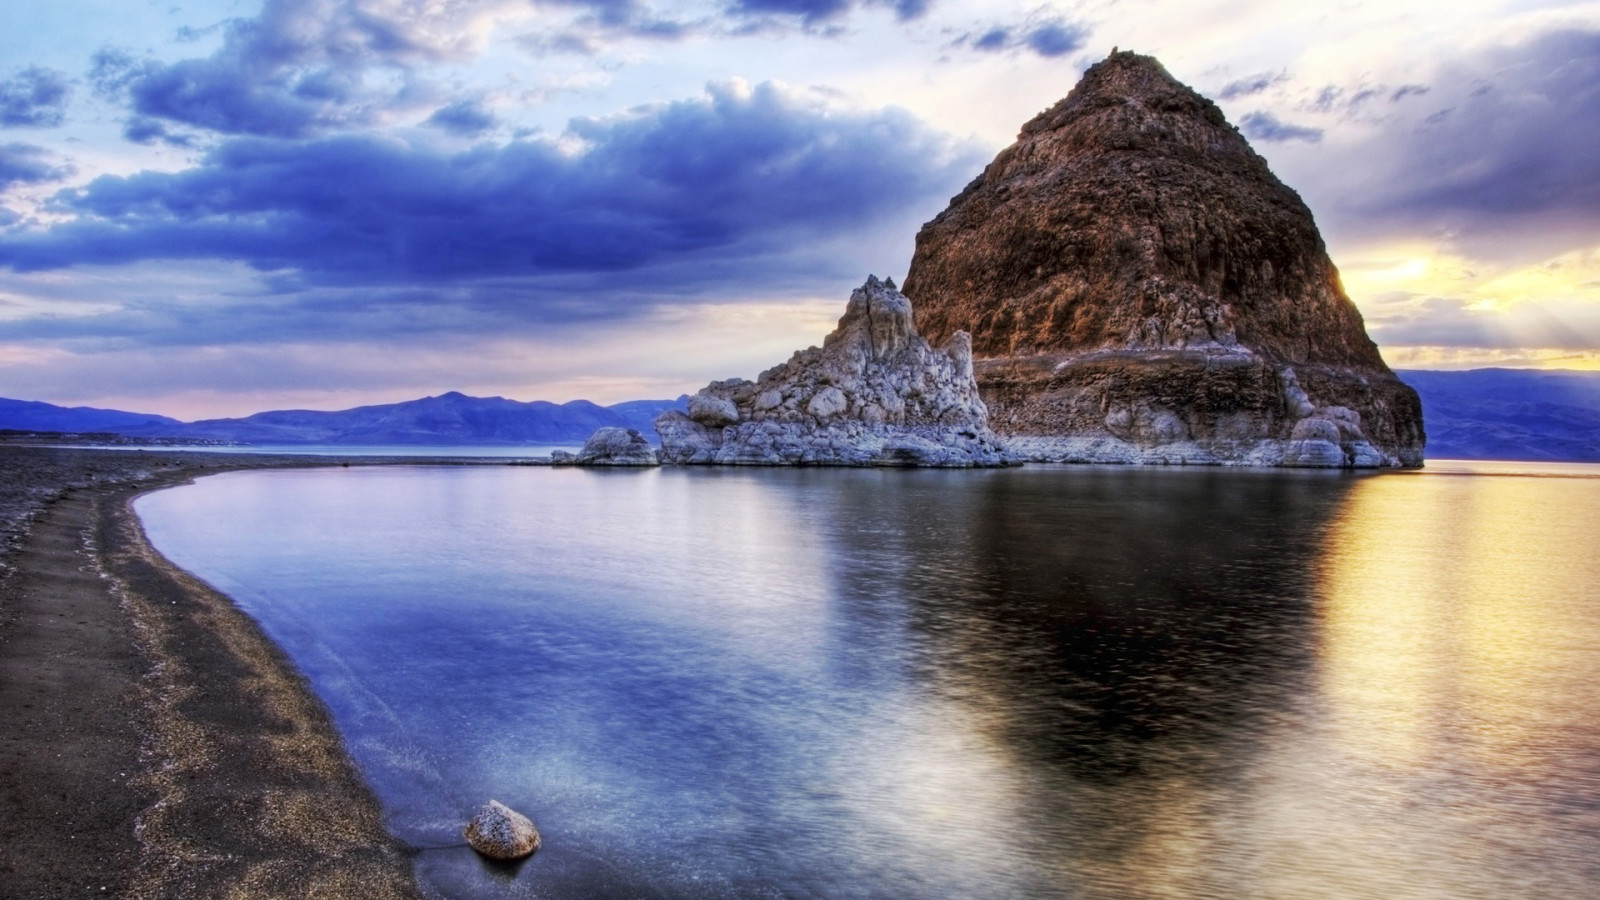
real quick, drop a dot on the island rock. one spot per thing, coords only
(1140, 288)
(500, 832)
(613, 446)
(874, 393)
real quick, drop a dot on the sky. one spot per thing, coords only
(215, 207)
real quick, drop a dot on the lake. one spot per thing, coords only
(1076, 682)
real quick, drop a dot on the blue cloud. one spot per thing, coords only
(142, 130)
(27, 164)
(711, 184)
(203, 94)
(1056, 38)
(1249, 86)
(465, 118)
(817, 11)
(300, 67)
(35, 97)
(1264, 126)
(1048, 38)
(297, 68)
(993, 39)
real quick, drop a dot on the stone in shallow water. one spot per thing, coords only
(500, 832)
(612, 446)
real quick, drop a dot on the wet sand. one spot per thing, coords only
(155, 742)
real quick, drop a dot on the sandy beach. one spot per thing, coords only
(156, 743)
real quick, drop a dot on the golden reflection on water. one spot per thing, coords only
(1460, 673)
(1461, 606)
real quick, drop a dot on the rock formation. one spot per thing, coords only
(612, 446)
(1139, 287)
(874, 393)
(500, 832)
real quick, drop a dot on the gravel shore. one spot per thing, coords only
(156, 743)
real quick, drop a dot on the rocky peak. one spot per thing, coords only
(878, 318)
(1131, 215)
(1127, 90)
(1131, 227)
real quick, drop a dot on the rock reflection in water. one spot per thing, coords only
(1129, 640)
(1083, 683)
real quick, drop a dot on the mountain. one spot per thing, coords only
(452, 418)
(1510, 414)
(640, 415)
(1139, 287)
(31, 415)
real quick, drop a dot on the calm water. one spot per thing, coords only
(1046, 682)
(444, 451)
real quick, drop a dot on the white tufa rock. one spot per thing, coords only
(874, 393)
(612, 446)
(500, 832)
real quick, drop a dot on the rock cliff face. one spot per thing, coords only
(874, 393)
(1139, 287)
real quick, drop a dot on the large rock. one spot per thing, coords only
(874, 393)
(500, 832)
(612, 446)
(1139, 287)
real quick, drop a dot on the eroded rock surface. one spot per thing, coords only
(1139, 287)
(612, 446)
(874, 393)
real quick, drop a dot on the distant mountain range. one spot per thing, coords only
(1510, 414)
(1475, 414)
(447, 419)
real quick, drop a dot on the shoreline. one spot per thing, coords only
(158, 743)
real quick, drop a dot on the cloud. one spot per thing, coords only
(299, 67)
(599, 23)
(813, 12)
(27, 164)
(737, 188)
(35, 98)
(1264, 126)
(1498, 157)
(302, 68)
(464, 117)
(142, 130)
(1357, 101)
(1056, 38)
(1250, 85)
(1048, 37)
(113, 69)
(994, 39)
(1401, 319)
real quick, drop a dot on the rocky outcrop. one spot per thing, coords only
(500, 832)
(874, 393)
(1139, 287)
(613, 446)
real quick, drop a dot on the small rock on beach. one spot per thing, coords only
(500, 832)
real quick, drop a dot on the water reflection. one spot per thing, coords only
(1129, 642)
(1038, 683)
(1460, 653)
